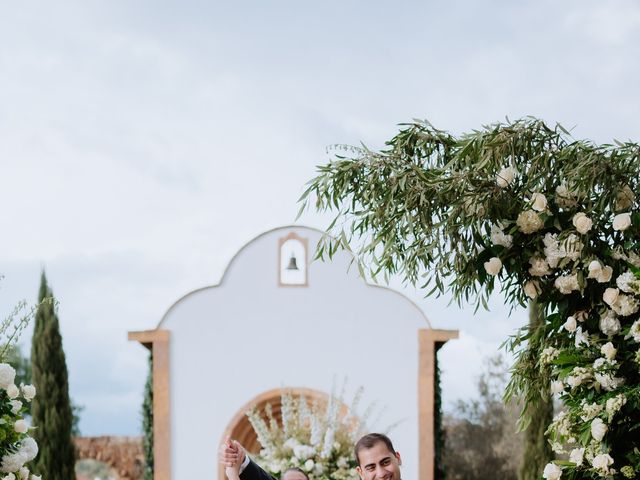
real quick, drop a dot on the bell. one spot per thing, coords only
(292, 263)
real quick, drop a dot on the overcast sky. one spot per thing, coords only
(143, 143)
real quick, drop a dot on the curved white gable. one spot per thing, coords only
(233, 341)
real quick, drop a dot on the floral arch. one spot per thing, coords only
(524, 209)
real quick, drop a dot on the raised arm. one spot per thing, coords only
(238, 466)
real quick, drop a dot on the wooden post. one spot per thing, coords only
(429, 342)
(158, 342)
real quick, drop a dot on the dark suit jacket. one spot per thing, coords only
(253, 471)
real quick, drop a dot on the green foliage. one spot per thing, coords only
(430, 208)
(51, 409)
(147, 422)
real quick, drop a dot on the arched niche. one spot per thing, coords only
(240, 429)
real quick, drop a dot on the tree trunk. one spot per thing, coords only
(536, 449)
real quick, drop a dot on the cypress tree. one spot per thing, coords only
(51, 408)
(536, 449)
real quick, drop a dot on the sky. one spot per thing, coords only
(143, 143)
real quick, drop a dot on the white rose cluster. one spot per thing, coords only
(25, 449)
(572, 256)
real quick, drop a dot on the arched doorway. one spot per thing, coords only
(240, 429)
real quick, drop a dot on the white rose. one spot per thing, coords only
(610, 295)
(582, 338)
(28, 392)
(7, 375)
(622, 221)
(539, 267)
(35, 477)
(570, 325)
(582, 223)
(531, 289)
(595, 267)
(498, 237)
(12, 462)
(609, 324)
(13, 391)
(493, 266)
(16, 405)
(567, 283)
(557, 387)
(24, 473)
(552, 471)
(600, 273)
(29, 448)
(505, 177)
(626, 282)
(552, 249)
(308, 465)
(635, 331)
(602, 462)
(605, 275)
(538, 202)
(529, 221)
(598, 429)
(11, 476)
(609, 351)
(576, 456)
(625, 305)
(20, 426)
(564, 197)
(624, 198)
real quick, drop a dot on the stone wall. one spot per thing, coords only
(123, 454)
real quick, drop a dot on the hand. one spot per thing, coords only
(231, 453)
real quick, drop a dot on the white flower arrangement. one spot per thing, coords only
(317, 438)
(16, 446)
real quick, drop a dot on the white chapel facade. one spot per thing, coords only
(278, 320)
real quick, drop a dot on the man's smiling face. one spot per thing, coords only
(378, 463)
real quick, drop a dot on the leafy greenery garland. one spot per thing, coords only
(525, 209)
